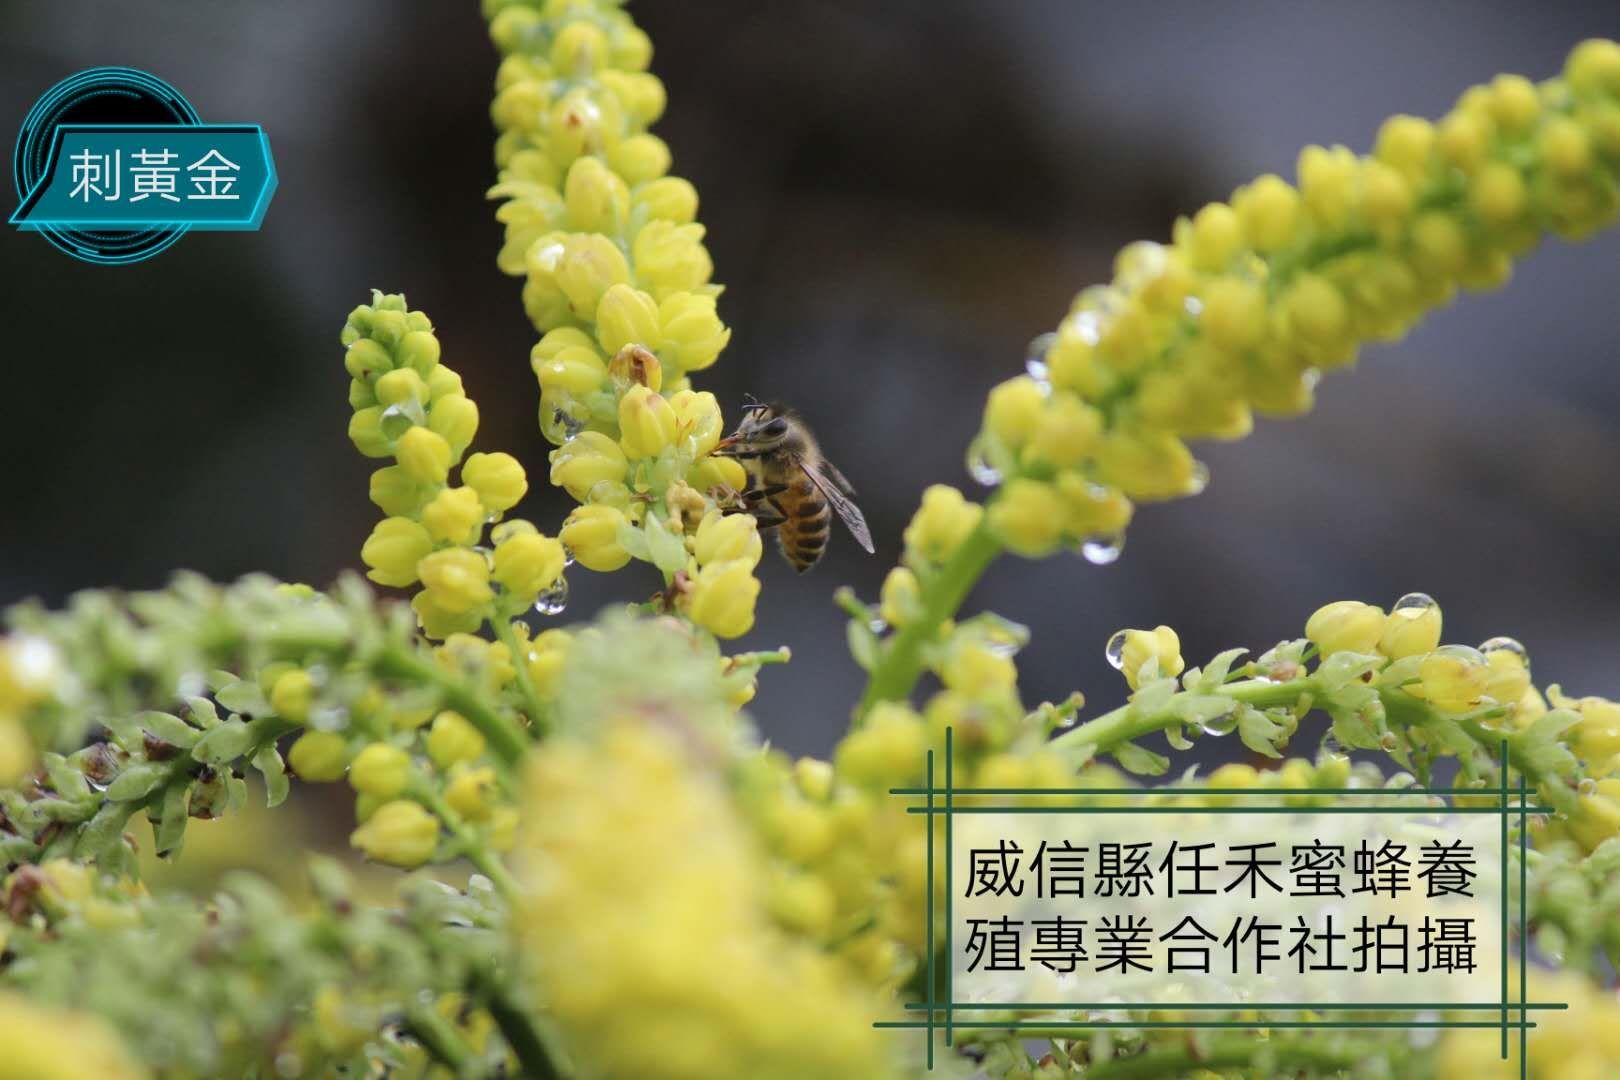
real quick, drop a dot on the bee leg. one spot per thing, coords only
(766, 515)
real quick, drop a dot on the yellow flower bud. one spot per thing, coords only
(470, 792)
(1514, 103)
(634, 364)
(1269, 211)
(381, 770)
(1213, 237)
(453, 739)
(399, 833)
(978, 672)
(16, 754)
(1317, 311)
(722, 598)
(1147, 464)
(597, 200)
(669, 198)
(640, 158)
(1497, 194)
(572, 370)
(1508, 676)
(365, 431)
(548, 657)
(1131, 650)
(646, 423)
(455, 514)
(890, 748)
(393, 491)
(1464, 140)
(590, 265)
(726, 537)
(941, 523)
(1386, 197)
(399, 387)
(1439, 244)
(1092, 509)
(1067, 431)
(366, 359)
(1013, 409)
(1453, 679)
(721, 472)
(901, 598)
(393, 549)
(626, 316)
(292, 694)
(1413, 627)
(1597, 816)
(670, 258)
(1029, 516)
(455, 417)
(697, 415)
(1234, 313)
(591, 532)
(441, 381)
(458, 578)
(1346, 626)
(1593, 68)
(438, 621)
(528, 564)
(497, 478)
(418, 350)
(1597, 734)
(1406, 143)
(586, 460)
(424, 454)
(692, 334)
(1327, 182)
(318, 756)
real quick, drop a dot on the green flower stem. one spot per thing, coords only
(760, 659)
(901, 664)
(442, 1040)
(1232, 1052)
(408, 665)
(532, 704)
(517, 1027)
(1109, 730)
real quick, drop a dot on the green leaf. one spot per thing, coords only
(1153, 696)
(16, 849)
(235, 791)
(104, 832)
(170, 728)
(170, 829)
(137, 781)
(65, 779)
(1355, 730)
(243, 697)
(1139, 760)
(668, 550)
(863, 644)
(203, 713)
(268, 761)
(227, 742)
(1261, 733)
(634, 541)
(1216, 671)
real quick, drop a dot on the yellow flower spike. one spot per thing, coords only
(592, 534)
(901, 598)
(470, 792)
(453, 739)
(547, 659)
(455, 417)
(633, 364)
(399, 833)
(647, 424)
(669, 199)
(457, 579)
(438, 621)
(590, 264)
(1453, 679)
(318, 756)
(888, 749)
(692, 334)
(627, 316)
(498, 479)
(528, 564)
(1413, 627)
(381, 770)
(1029, 516)
(978, 672)
(1147, 464)
(1346, 626)
(292, 695)
(393, 550)
(697, 412)
(670, 258)
(1268, 209)
(727, 537)
(1013, 410)
(424, 454)
(45, 1043)
(394, 491)
(586, 460)
(1131, 650)
(722, 597)
(941, 523)
(401, 386)
(454, 515)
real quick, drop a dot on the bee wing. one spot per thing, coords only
(831, 472)
(847, 510)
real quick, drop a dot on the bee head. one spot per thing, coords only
(764, 427)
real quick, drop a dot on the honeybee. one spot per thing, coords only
(793, 488)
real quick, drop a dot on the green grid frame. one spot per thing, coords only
(941, 801)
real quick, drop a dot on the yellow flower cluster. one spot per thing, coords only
(617, 281)
(410, 407)
(1581, 1042)
(691, 978)
(42, 1043)
(29, 671)
(1253, 298)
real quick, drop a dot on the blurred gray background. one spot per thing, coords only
(898, 196)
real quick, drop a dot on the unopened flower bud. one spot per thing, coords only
(724, 537)
(393, 549)
(1346, 626)
(528, 564)
(722, 598)
(381, 770)
(626, 316)
(470, 793)
(458, 579)
(646, 423)
(455, 417)
(592, 534)
(941, 523)
(455, 515)
(1131, 650)
(399, 833)
(424, 454)
(318, 756)
(498, 479)
(635, 365)
(453, 739)
(590, 265)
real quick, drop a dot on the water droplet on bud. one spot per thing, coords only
(1505, 644)
(1115, 651)
(1102, 549)
(1587, 785)
(978, 464)
(1414, 604)
(1199, 478)
(553, 600)
(1224, 724)
(1035, 360)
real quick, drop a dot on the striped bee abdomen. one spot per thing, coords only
(803, 536)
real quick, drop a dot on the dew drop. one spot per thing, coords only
(568, 556)
(553, 600)
(877, 626)
(395, 422)
(1193, 306)
(1505, 644)
(1224, 724)
(1115, 651)
(1587, 786)
(978, 464)
(1413, 605)
(1102, 549)
(1198, 480)
(1035, 360)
